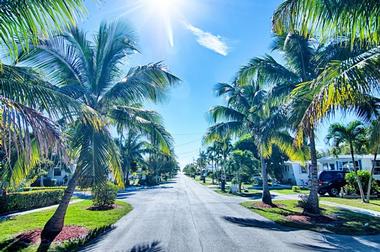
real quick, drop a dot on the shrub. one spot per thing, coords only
(364, 178)
(104, 196)
(296, 189)
(303, 201)
(22, 201)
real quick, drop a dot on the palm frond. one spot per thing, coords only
(23, 21)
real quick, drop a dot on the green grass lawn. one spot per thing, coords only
(373, 205)
(290, 191)
(338, 221)
(77, 214)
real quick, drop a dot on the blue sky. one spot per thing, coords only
(207, 43)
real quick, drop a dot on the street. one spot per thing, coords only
(185, 216)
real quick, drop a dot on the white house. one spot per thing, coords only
(344, 162)
(297, 174)
(59, 175)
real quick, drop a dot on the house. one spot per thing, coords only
(344, 162)
(55, 177)
(295, 173)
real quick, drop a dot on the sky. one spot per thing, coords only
(203, 42)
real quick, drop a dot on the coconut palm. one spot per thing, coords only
(248, 111)
(23, 21)
(354, 134)
(341, 80)
(90, 71)
(26, 100)
(358, 19)
(292, 84)
(132, 149)
(374, 142)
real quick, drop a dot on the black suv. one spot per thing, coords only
(331, 182)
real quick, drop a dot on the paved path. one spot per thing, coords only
(7, 216)
(185, 216)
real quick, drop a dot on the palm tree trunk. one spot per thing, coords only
(312, 204)
(266, 197)
(55, 224)
(370, 178)
(361, 191)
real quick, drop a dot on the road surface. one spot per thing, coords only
(184, 216)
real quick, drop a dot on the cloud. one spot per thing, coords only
(208, 40)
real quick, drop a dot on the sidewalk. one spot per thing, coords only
(2, 217)
(279, 196)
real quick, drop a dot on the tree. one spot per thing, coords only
(352, 23)
(249, 112)
(353, 134)
(91, 72)
(374, 142)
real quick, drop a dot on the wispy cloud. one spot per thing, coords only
(209, 40)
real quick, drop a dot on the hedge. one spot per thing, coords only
(22, 201)
(39, 188)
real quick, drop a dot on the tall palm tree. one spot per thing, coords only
(291, 85)
(248, 111)
(352, 134)
(25, 99)
(374, 143)
(132, 149)
(90, 71)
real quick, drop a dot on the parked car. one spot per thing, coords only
(331, 182)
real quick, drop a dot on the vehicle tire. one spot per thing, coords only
(334, 192)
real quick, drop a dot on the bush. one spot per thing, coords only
(39, 188)
(302, 203)
(22, 201)
(352, 185)
(104, 196)
(296, 189)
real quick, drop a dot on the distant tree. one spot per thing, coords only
(353, 134)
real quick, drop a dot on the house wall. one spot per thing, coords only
(59, 178)
(301, 174)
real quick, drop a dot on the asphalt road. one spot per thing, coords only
(184, 216)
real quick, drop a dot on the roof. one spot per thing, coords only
(331, 158)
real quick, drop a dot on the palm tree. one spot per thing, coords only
(355, 24)
(26, 100)
(374, 143)
(293, 85)
(23, 21)
(359, 19)
(248, 111)
(353, 134)
(91, 72)
(132, 150)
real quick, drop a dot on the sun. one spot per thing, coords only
(165, 12)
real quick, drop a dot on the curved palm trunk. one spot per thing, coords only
(312, 204)
(266, 197)
(361, 191)
(55, 224)
(370, 178)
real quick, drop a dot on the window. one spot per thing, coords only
(376, 171)
(377, 165)
(57, 172)
(332, 167)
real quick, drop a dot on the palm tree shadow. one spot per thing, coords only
(148, 247)
(247, 222)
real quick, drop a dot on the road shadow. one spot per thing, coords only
(249, 222)
(154, 246)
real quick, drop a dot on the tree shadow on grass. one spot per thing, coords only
(154, 246)
(14, 244)
(124, 195)
(249, 222)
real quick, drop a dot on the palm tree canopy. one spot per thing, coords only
(24, 21)
(354, 133)
(359, 19)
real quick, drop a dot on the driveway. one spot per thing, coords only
(185, 216)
